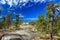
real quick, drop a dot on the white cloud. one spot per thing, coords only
(25, 0)
(42, 1)
(20, 1)
(2, 1)
(15, 2)
(21, 15)
(39, 1)
(9, 2)
(36, 0)
(24, 4)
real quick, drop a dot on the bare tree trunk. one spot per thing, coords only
(51, 29)
(51, 34)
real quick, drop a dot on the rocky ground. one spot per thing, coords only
(27, 29)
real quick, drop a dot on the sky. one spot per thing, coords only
(28, 9)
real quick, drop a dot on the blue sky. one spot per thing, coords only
(28, 9)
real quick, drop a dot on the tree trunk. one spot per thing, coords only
(51, 33)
